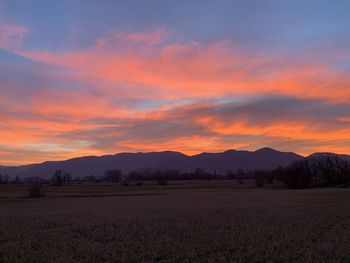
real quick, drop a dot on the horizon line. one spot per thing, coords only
(163, 151)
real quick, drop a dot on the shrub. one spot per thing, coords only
(36, 191)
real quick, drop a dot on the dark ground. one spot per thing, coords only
(181, 222)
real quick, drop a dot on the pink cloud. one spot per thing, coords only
(150, 65)
(11, 35)
(192, 68)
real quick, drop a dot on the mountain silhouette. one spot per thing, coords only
(265, 158)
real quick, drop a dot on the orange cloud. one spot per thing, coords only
(93, 115)
(196, 69)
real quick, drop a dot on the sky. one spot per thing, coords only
(89, 77)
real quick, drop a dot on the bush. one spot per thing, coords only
(36, 191)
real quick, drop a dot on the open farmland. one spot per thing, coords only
(181, 222)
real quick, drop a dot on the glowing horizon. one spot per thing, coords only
(88, 78)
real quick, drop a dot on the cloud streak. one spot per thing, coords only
(191, 68)
(155, 90)
(11, 35)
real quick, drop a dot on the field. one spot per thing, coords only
(181, 222)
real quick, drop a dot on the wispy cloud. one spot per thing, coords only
(143, 91)
(191, 68)
(11, 35)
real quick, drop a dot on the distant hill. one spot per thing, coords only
(265, 158)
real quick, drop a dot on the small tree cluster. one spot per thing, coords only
(61, 177)
(322, 170)
(112, 176)
(162, 177)
(136, 177)
(4, 179)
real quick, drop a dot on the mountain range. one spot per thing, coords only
(265, 158)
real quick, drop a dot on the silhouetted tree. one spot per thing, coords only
(17, 180)
(60, 177)
(260, 177)
(240, 176)
(89, 178)
(173, 174)
(329, 170)
(298, 174)
(320, 170)
(162, 177)
(199, 173)
(4, 179)
(112, 176)
(137, 177)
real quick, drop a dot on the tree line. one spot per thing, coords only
(318, 171)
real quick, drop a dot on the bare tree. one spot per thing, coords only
(112, 176)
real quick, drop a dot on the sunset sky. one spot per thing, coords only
(102, 77)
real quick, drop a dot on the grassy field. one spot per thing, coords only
(181, 222)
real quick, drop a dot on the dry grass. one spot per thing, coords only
(182, 223)
(108, 189)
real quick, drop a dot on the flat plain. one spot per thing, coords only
(193, 221)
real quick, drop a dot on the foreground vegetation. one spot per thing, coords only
(193, 221)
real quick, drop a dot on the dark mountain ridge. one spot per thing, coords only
(265, 158)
